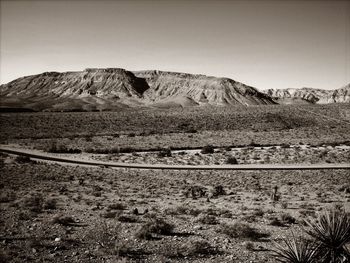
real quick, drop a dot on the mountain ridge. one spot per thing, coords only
(310, 95)
(115, 88)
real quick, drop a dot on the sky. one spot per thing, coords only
(262, 43)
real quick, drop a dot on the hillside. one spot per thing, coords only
(115, 88)
(309, 95)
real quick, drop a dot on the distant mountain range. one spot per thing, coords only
(309, 95)
(115, 88)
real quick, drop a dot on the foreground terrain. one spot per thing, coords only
(61, 213)
(68, 213)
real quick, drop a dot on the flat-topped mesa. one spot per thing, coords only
(103, 88)
(107, 70)
(155, 73)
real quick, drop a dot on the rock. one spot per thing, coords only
(143, 87)
(57, 239)
(198, 227)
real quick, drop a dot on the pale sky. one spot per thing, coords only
(263, 43)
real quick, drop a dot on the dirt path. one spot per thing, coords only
(77, 161)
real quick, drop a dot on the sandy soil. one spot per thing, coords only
(58, 213)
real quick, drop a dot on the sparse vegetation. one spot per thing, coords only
(242, 231)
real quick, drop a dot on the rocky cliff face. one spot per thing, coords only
(111, 88)
(309, 95)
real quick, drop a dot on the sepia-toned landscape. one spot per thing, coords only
(175, 131)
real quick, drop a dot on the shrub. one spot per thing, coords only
(63, 220)
(155, 226)
(23, 159)
(34, 202)
(287, 218)
(332, 232)
(198, 247)
(164, 153)
(117, 206)
(127, 219)
(295, 251)
(191, 248)
(241, 230)
(207, 219)
(208, 149)
(109, 214)
(50, 204)
(231, 160)
(218, 190)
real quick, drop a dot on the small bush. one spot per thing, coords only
(207, 219)
(242, 230)
(231, 160)
(155, 226)
(164, 153)
(23, 159)
(191, 248)
(63, 220)
(117, 206)
(332, 232)
(127, 219)
(50, 204)
(198, 247)
(109, 214)
(208, 149)
(296, 251)
(34, 203)
(218, 190)
(287, 218)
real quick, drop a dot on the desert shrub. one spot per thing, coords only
(218, 190)
(249, 245)
(228, 148)
(127, 248)
(296, 250)
(34, 202)
(231, 160)
(127, 218)
(23, 159)
(6, 197)
(182, 210)
(208, 149)
(207, 219)
(274, 221)
(63, 220)
(287, 218)
(24, 215)
(189, 249)
(109, 214)
(198, 247)
(195, 191)
(105, 235)
(241, 230)
(117, 206)
(54, 147)
(50, 203)
(258, 212)
(164, 153)
(156, 226)
(332, 232)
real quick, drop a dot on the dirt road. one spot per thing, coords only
(42, 156)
